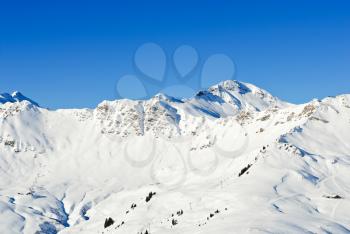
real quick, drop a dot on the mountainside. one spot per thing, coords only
(232, 159)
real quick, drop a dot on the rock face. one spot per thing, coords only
(231, 159)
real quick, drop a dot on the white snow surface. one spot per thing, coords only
(232, 159)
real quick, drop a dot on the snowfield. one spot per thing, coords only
(232, 159)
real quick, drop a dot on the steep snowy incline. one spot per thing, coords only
(274, 185)
(166, 166)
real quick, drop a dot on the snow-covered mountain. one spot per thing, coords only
(232, 159)
(15, 97)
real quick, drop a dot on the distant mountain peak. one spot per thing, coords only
(15, 97)
(232, 85)
(244, 95)
(166, 97)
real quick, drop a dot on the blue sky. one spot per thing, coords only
(71, 53)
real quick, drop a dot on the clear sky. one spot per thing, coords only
(71, 53)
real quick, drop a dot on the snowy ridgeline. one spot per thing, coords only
(232, 159)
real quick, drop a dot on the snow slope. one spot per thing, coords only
(232, 159)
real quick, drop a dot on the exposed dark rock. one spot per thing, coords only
(174, 222)
(133, 206)
(180, 212)
(150, 195)
(108, 222)
(334, 197)
(244, 170)
(10, 143)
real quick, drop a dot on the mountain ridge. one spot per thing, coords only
(166, 165)
(235, 86)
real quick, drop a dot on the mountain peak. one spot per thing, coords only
(15, 93)
(232, 85)
(168, 98)
(15, 97)
(245, 95)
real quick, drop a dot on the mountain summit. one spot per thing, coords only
(15, 97)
